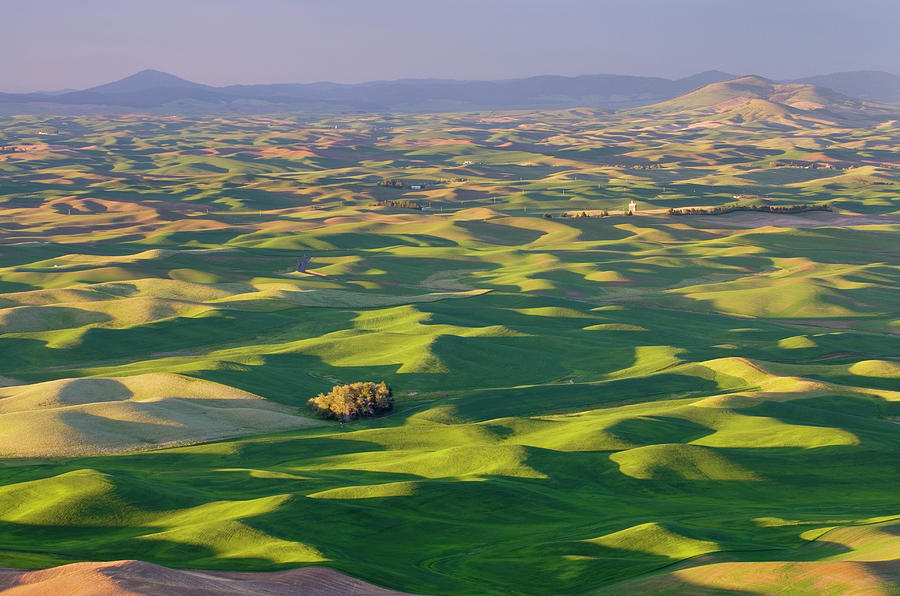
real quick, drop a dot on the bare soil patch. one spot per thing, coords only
(137, 578)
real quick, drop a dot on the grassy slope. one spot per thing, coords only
(105, 415)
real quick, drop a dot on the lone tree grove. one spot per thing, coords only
(356, 400)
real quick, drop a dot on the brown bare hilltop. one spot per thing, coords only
(138, 578)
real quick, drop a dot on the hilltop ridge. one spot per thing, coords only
(753, 87)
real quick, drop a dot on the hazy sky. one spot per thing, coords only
(54, 44)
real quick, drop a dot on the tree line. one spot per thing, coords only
(721, 209)
(402, 203)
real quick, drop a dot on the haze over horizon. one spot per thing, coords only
(91, 42)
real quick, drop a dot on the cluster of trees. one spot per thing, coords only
(798, 208)
(356, 400)
(626, 164)
(583, 214)
(799, 163)
(402, 203)
(392, 182)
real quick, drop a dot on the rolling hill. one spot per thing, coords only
(108, 415)
(738, 91)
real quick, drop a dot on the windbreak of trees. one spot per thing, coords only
(402, 203)
(799, 163)
(799, 208)
(356, 400)
(392, 182)
(584, 215)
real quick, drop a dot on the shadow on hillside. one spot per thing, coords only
(489, 526)
(86, 207)
(24, 319)
(889, 571)
(651, 430)
(90, 390)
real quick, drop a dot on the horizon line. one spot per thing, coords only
(454, 80)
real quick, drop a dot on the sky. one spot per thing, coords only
(65, 44)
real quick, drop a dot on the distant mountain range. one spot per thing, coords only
(868, 85)
(160, 92)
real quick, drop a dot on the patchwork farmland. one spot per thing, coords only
(585, 401)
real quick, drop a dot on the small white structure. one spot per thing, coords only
(632, 207)
(416, 187)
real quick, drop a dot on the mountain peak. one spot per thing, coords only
(146, 79)
(752, 80)
(153, 73)
(711, 76)
(700, 79)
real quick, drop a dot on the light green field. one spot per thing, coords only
(647, 404)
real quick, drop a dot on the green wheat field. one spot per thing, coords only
(703, 404)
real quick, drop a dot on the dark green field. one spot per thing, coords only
(621, 404)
